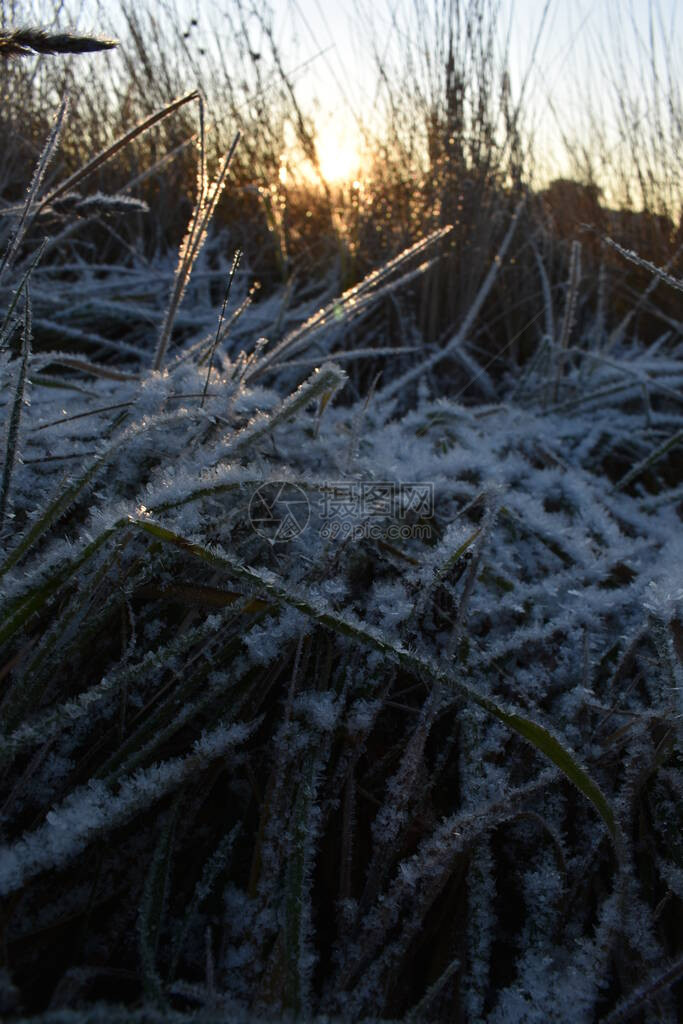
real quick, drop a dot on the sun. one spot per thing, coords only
(338, 155)
(339, 158)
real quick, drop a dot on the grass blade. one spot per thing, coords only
(92, 165)
(153, 906)
(195, 237)
(536, 734)
(235, 264)
(31, 204)
(15, 415)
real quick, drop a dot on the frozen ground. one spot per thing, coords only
(302, 745)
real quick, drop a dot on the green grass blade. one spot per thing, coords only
(536, 734)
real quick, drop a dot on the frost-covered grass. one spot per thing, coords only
(425, 770)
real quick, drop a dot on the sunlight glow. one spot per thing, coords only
(338, 155)
(338, 161)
